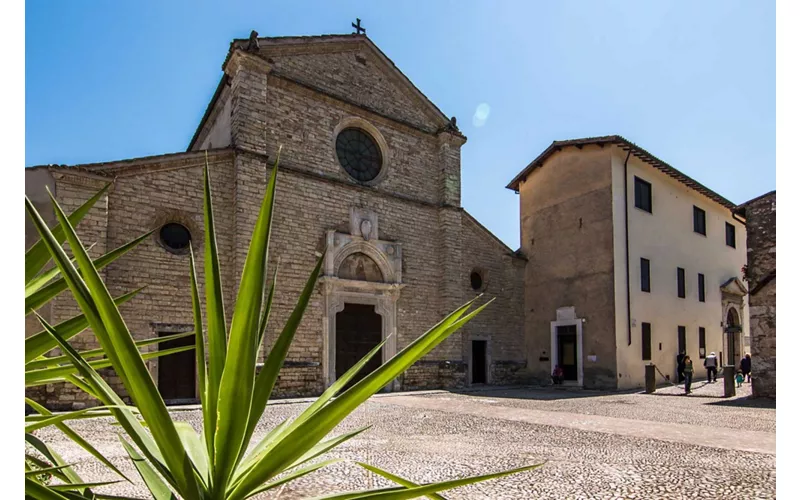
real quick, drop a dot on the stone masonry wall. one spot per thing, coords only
(761, 263)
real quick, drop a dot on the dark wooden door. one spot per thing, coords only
(176, 372)
(478, 361)
(358, 331)
(568, 351)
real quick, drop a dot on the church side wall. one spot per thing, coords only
(567, 236)
(500, 324)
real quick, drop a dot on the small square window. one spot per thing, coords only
(699, 221)
(643, 194)
(730, 235)
(645, 271)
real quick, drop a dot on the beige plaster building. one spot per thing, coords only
(629, 263)
(370, 170)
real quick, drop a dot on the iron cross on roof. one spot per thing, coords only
(357, 26)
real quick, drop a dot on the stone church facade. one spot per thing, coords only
(369, 170)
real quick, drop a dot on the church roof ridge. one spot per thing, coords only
(625, 145)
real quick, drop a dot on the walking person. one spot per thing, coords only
(746, 365)
(688, 371)
(711, 366)
(681, 356)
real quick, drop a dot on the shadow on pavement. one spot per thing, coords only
(548, 393)
(746, 402)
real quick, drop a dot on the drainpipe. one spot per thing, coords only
(627, 249)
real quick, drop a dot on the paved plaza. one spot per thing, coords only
(593, 444)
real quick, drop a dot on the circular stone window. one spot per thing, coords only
(175, 237)
(476, 280)
(359, 154)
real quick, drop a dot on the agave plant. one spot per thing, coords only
(42, 367)
(172, 459)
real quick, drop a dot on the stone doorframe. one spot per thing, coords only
(479, 336)
(387, 255)
(172, 329)
(733, 292)
(565, 316)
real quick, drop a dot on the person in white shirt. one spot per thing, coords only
(711, 366)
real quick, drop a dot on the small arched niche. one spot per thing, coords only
(360, 267)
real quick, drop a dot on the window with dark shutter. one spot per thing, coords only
(645, 266)
(702, 337)
(681, 283)
(699, 221)
(643, 194)
(701, 287)
(682, 339)
(730, 235)
(646, 350)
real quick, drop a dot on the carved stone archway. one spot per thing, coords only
(733, 292)
(339, 291)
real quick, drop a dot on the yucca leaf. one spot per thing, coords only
(397, 479)
(424, 490)
(101, 390)
(291, 476)
(45, 294)
(279, 430)
(215, 312)
(41, 342)
(77, 486)
(36, 422)
(93, 353)
(195, 448)
(42, 279)
(200, 356)
(325, 446)
(37, 256)
(54, 374)
(66, 473)
(268, 306)
(158, 488)
(308, 433)
(46, 470)
(265, 381)
(41, 464)
(77, 439)
(130, 366)
(236, 386)
(39, 491)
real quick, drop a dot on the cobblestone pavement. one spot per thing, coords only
(426, 444)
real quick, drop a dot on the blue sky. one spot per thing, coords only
(691, 82)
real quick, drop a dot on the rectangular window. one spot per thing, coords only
(701, 287)
(730, 235)
(702, 337)
(646, 341)
(645, 265)
(682, 339)
(643, 194)
(699, 221)
(681, 283)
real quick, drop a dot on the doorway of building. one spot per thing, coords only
(732, 329)
(567, 336)
(479, 373)
(358, 331)
(176, 372)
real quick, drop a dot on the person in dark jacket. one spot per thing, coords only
(681, 356)
(688, 371)
(746, 365)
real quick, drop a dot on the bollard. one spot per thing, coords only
(650, 378)
(728, 373)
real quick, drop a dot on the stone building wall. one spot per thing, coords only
(416, 202)
(761, 267)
